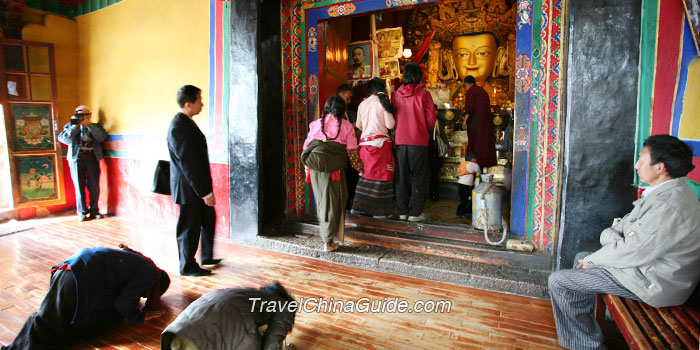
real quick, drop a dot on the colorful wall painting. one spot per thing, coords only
(36, 176)
(32, 127)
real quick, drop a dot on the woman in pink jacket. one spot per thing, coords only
(330, 143)
(374, 194)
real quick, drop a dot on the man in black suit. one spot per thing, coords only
(191, 185)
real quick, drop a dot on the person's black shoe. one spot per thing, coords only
(83, 217)
(211, 262)
(97, 216)
(196, 273)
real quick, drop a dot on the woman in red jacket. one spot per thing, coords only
(415, 118)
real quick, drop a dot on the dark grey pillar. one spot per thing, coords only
(271, 123)
(243, 121)
(600, 121)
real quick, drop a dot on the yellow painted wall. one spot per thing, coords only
(63, 33)
(133, 57)
(690, 117)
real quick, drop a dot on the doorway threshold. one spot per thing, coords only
(419, 250)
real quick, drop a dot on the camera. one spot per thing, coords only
(76, 118)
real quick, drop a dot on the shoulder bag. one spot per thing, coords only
(161, 178)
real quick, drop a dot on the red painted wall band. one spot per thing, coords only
(215, 129)
(667, 53)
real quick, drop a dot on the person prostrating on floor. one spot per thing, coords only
(231, 318)
(90, 293)
(329, 144)
(191, 184)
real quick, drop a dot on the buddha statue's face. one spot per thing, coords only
(474, 55)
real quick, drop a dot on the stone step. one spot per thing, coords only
(433, 229)
(426, 242)
(465, 264)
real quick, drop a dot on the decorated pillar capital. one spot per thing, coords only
(11, 18)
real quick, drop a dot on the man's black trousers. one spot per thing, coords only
(197, 219)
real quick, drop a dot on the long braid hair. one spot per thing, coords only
(335, 106)
(377, 87)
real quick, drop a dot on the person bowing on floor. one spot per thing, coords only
(90, 293)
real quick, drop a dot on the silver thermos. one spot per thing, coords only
(486, 205)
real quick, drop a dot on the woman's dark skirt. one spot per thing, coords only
(373, 197)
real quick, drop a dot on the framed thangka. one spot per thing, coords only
(389, 50)
(389, 69)
(389, 43)
(36, 176)
(32, 127)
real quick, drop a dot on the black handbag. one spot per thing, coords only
(161, 178)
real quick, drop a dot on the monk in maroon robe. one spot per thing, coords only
(477, 120)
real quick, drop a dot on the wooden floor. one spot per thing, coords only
(477, 320)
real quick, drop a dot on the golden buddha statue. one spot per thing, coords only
(476, 55)
(433, 66)
(478, 39)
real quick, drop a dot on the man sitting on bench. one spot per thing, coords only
(652, 254)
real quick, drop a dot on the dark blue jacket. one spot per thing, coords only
(110, 282)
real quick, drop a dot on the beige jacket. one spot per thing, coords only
(654, 251)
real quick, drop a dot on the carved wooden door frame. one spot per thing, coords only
(28, 98)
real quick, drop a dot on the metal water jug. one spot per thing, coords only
(486, 205)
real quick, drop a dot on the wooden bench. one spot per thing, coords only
(646, 327)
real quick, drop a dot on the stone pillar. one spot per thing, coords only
(243, 121)
(600, 122)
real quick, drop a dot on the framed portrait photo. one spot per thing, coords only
(360, 60)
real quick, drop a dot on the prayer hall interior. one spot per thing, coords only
(546, 95)
(478, 319)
